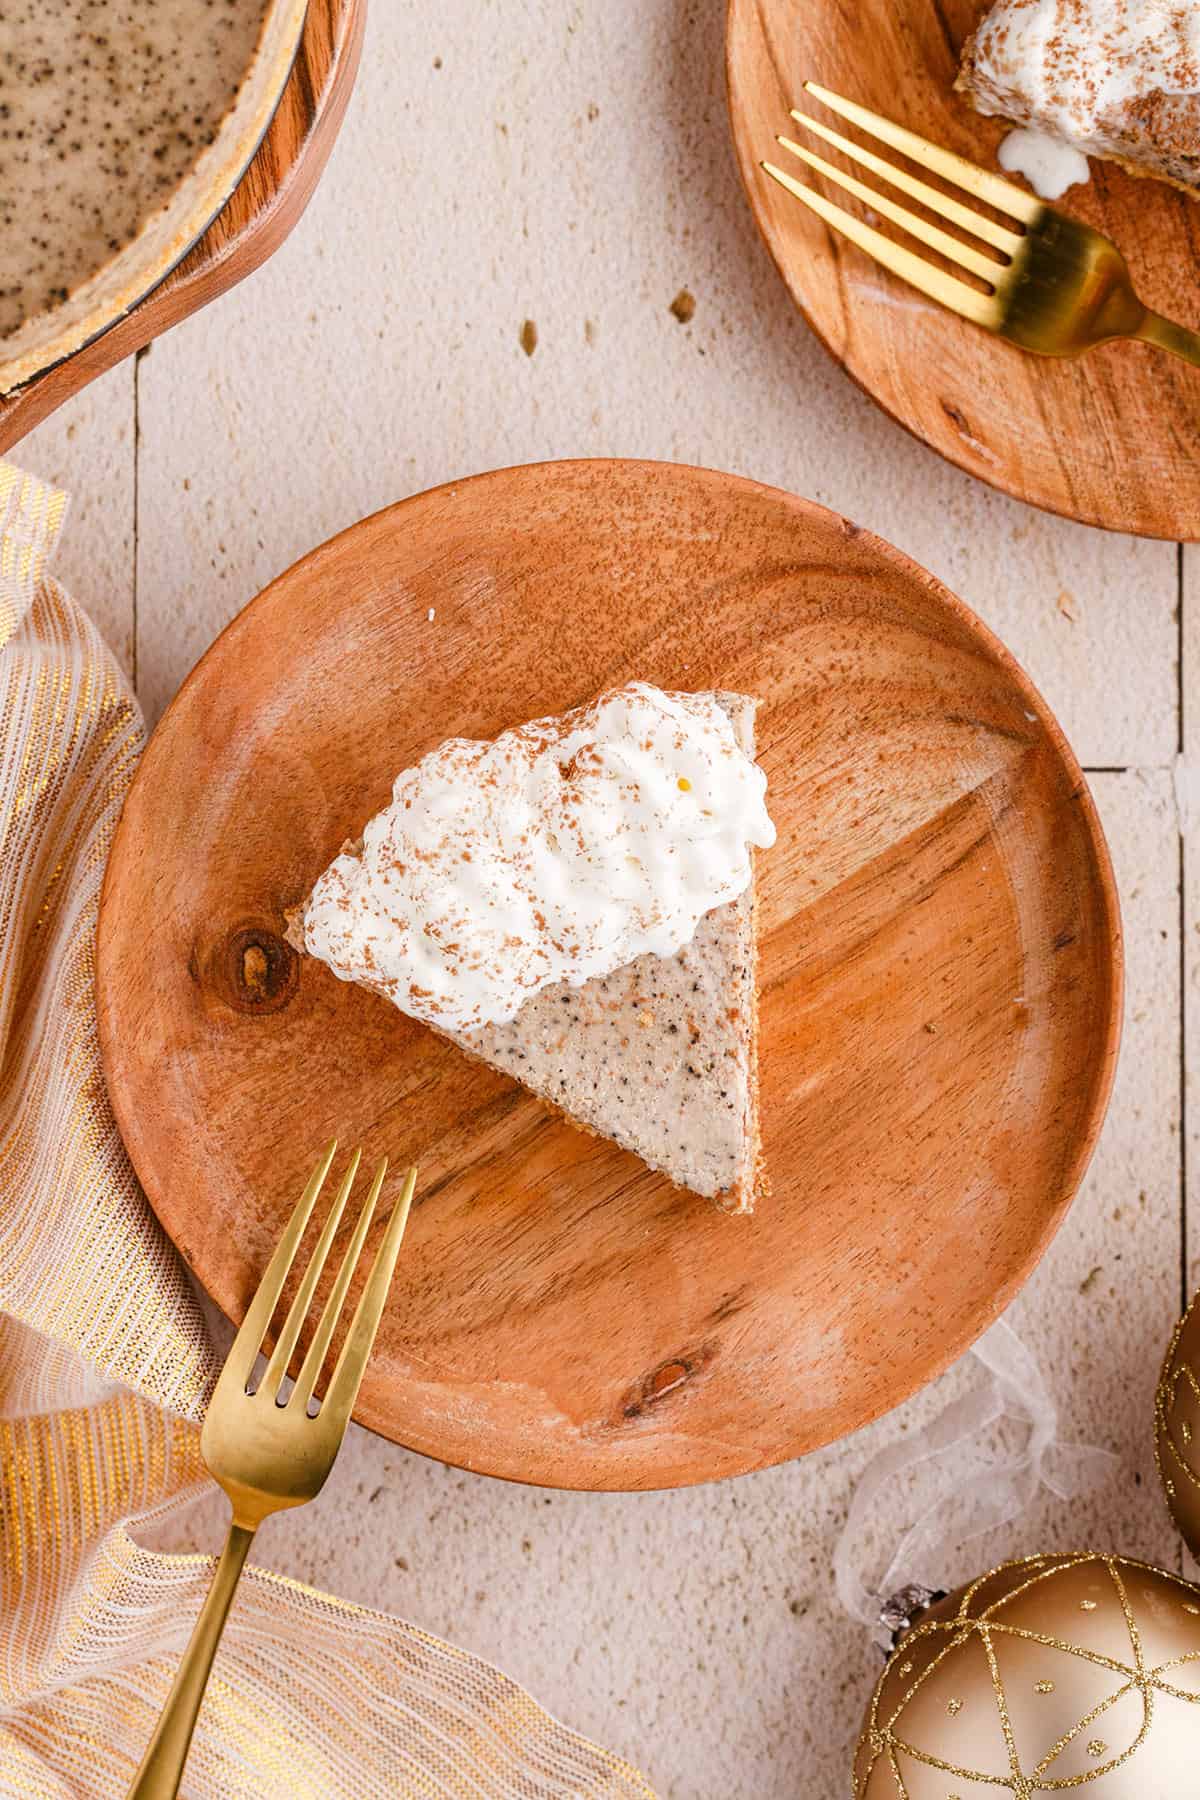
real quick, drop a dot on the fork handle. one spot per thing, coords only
(1154, 329)
(162, 1766)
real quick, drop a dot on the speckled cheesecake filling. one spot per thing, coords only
(105, 106)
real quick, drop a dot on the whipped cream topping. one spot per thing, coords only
(560, 851)
(1082, 64)
(1049, 165)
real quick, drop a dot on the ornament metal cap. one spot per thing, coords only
(903, 1609)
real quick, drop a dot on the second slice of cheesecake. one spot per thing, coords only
(1111, 78)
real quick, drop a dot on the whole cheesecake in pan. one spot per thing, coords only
(124, 127)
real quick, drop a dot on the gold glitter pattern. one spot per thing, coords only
(1176, 1411)
(1135, 1653)
(105, 1363)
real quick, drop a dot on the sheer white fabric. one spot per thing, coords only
(964, 1477)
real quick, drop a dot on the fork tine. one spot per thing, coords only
(246, 1345)
(993, 188)
(281, 1356)
(310, 1369)
(951, 247)
(963, 216)
(947, 290)
(343, 1386)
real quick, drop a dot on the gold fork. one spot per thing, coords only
(1053, 284)
(265, 1448)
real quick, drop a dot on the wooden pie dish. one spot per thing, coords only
(262, 210)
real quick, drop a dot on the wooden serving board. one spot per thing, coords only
(941, 974)
(256, 219)
(1112, 438)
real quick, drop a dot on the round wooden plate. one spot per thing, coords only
(1110, 439)
(941, 974)
(258, 216)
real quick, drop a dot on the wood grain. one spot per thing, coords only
(941, 974)
(261, 212)
(1110, 439)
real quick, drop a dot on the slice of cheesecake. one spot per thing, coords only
(661, 1056)
(1109, 78)
(553, 847)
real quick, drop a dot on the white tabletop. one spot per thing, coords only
(572, 166)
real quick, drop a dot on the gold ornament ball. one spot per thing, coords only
(1053, 1673)
(1177, 1426)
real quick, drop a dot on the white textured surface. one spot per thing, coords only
(572, 167)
